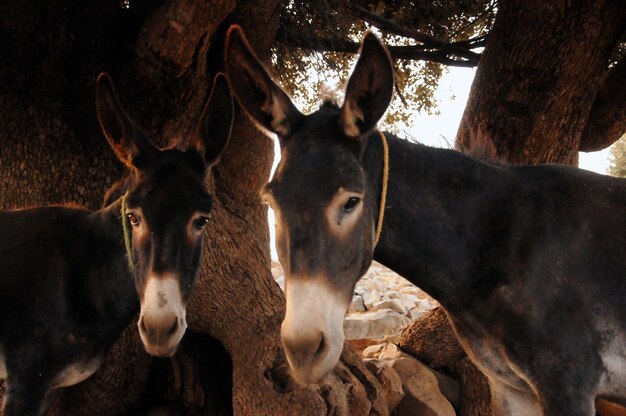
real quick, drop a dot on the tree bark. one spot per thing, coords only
(416, 340)
(607, 118)
(539, 76)
(162, 56)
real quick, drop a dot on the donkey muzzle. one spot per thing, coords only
(162, 322)
(312, 331)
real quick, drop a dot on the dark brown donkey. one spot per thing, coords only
(66, 286)
(529, 262)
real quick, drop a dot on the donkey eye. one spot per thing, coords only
(201, 222)
(133, 219)
(351, 204)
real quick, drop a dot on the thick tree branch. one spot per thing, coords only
(449, 58)
(416, 52)
(430, 48)
(541, 119)
(473, 43)
(388, 25)
(607, 119)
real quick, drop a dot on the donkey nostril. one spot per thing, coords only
(142, 325)
(173, 328)
(321, 347)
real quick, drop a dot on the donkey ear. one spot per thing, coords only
(369, 89)
(264, 101)
(216, 122)
(129, 143)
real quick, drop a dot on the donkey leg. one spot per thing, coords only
(508, 401)
(569, 405)
(567, 380)
(568, 390)
(25, 396)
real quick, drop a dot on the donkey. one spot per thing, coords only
(68, 284)
(527, 261)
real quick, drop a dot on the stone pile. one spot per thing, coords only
(382, 306)
(411, 387)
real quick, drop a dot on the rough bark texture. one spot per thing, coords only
(607, 119)
(162, 56)
(415, 340)
(539, 76)
(475, 393)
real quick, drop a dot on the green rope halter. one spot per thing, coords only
(127, 236)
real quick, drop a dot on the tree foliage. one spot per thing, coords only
(320, 38)
(317, 42)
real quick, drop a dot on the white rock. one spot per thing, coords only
(415, 313)
(408, 305)
(378, 285)
(395, 294)
(390, 382)
(374, 325)
(373, 351)
(421, 388)
(393, 304)
(369, 298)
(427, 304)
(412, 290)
(384, 351)
(409, 297)
(357, 304)
(360, 289)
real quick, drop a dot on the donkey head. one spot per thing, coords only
(167, 207)
(325, 208)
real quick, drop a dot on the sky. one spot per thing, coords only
(440, 130)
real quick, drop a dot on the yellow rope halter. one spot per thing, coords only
(383, 195)
(127, 236)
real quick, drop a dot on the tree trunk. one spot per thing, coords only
(539, 77)
(542, 91)
(162, 56)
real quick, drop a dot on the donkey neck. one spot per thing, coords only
(109, 284)
(437, 202)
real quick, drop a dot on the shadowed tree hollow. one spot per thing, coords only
(550, 82)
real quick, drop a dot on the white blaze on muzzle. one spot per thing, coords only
(162, 321)
(312, 331)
